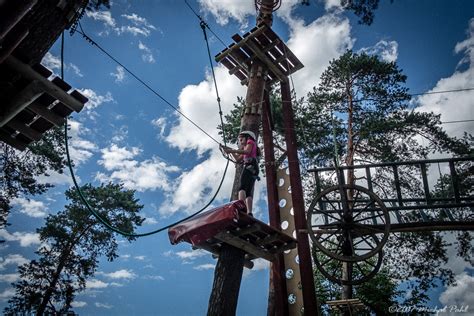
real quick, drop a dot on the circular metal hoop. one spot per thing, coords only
(354, 232)
(362, 271)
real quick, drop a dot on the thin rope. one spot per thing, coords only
(91, 209)
(93, 43)
(207, 26)
(203, 27)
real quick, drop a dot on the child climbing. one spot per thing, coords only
(247, 155)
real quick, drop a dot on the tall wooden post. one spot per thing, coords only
(304, 253)
(277, 301)
(229, 268)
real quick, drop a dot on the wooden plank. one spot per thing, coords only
(268, 240)
(46, 85)
(244, 245)
(25, 130)
(11, 43)
(47, 114)
(266, 60)
(242, 42)
(246, 230)
(5, 137)
(26, 96)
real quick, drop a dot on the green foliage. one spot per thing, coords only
(377, 294)
(20, 170)
(72, 242)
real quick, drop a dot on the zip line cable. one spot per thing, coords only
(83, 197)
(94, 43)
(203, 27)
(205, 24)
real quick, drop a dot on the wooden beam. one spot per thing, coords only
(12, 141)
(47, 85)
(24, 98)
(25, 130)
(244, 245)
(12, 13)
(238, 45)
(246, 230)
(47, 114)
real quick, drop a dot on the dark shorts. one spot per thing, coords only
(247, 181)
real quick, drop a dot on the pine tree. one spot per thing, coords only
(72, 242)
(19, 171)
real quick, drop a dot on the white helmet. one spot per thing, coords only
(249, 133)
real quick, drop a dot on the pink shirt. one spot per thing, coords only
(253, 153)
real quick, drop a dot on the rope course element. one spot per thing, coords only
(69, 161)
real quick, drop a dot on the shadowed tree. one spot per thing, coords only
(72, 243)
(19, 171)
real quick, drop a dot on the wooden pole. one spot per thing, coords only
(277, 302)
(228, 272)
(304, 253)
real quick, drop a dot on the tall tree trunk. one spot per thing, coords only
(62, 262)
(52, 285)
(228, 273)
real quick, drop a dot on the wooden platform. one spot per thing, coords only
(229, 224)
(263, 44)
(351, 305)
(33, 103)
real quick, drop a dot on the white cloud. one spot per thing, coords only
(103, 305)
(78, 304)
(467, 45)
(102, 16)
(7, 293)
(332, 4)
(119, 74)
(153, 277)
(31, 207)
(9, 278)
(147, 55)
(194, 188)
(121, 274)
(388, 51)
(25, 239)
(52, 62)
(459, 105)
(95, 99)
(150, 174)
(189, 256)
(331, 37)
(133, 30)
(140, 258)
(96, 284)
(76, 70)
(150, 221)
(140, 26)
(138, 20)
(80, 149)
(12, 259)
(160, 123)
(461, 294)
(224, 10)
(198, 102)
(206, 266)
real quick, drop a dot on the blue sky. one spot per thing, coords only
(126, 134)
